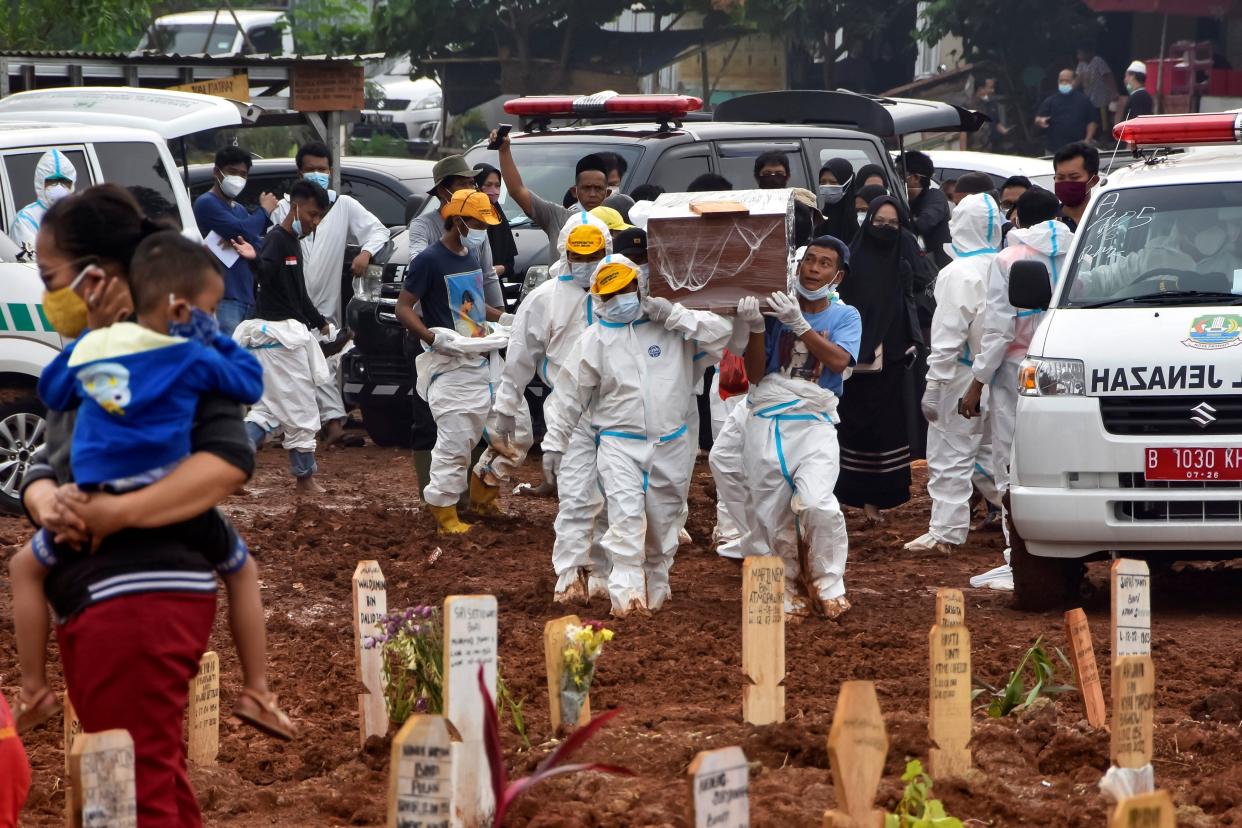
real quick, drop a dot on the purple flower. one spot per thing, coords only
(420, 705)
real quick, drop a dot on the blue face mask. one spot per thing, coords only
(202, 326)
(474, 238)
(1065, 88)
(582, 273)
(320, 178)
(623, 308)
(296, 227)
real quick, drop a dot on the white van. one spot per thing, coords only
(1129, 424)
(78, 123)
(216, 33)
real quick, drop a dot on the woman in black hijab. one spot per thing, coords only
(867, 175)
(874, 434)
(836, 200)
(499, 236)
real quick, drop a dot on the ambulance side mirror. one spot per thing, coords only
(1029, 285)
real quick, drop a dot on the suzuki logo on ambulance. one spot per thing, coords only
(1210, 333)
(1203, 414)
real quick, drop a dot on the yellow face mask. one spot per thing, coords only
(65, 309)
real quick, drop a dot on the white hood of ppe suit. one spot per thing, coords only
(961, 292)
(53, 164)
(561, 266)
(975, 227)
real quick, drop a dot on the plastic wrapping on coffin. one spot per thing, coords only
(710, 261)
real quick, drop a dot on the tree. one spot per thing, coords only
(94, 25)
(998, 32)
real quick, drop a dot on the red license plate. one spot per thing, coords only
(1193, 464)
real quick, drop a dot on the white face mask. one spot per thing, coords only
(623, 308)
(232, 185)
(56, 192)
(473, 237)
(582, 273)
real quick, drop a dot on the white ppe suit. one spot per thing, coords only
(546, 328)
(323, 255)
(954, 442)
(634, 379)
(25, 226)
(725, 458)
(293, 364)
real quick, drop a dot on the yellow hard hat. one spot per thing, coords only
(585, 239)
(613, 274)
(611, 217)
(471, 204)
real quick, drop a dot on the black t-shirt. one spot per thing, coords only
(449, 289)
(1140, 103)
(281, 285)
(1068, 117)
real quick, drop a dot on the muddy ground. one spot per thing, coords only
(677, 676)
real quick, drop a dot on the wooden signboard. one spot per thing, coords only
(234, 87)
(707, 250)
(1086, 674)
(948, 722)
(420, 774)
(1131, 608)
(370, 606)
(1149, 810)
(335, 88)
(857, 748)
(763, 639)
(1134, 701)
(73, 726)
(950, 607)
(469, 641)
(101, 770)
(204, 712)
(554, 657)
(719, 789)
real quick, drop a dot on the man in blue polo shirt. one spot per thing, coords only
(216, 211)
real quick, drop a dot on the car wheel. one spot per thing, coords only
(23, 429)
(1040, 583)
(388, 425)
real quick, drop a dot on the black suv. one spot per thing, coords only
(809, 127)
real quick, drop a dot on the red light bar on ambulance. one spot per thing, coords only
(603, 105)
(1181, 130)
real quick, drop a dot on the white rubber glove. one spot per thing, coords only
(786, 309)
(446, 343)
(552, 465)
(506, 319)
(748, 311)
(506, 427)
(657, 308)
(931, 402)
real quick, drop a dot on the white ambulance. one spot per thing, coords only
(117, 135)
(1129, 424)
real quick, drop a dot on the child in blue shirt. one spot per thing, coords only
(136, 386)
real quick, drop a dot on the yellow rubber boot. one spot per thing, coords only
(447, 520)
(483, 497)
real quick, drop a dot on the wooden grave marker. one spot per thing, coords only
(763, 640)
(73, 727)
(1086, 673)
(1149, 810)
(719, 789)
(101, 770)
(370, 606)
(948, 721)
(469, 641)
(554, 657)
(1131, 588)
(1134, 700)
(204, 712)
(950, 607)
(420, 780)
(857, 748)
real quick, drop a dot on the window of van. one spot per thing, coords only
(737, 161)
(858, 153)
(138, 167)
(20, 165)
(1171, 245)
(265, 39)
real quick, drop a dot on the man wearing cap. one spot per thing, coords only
(546, 328)
(795, 361)
(631, 376)
(445, 281)
(953, 442)
(611, 218)
(590, 188)
(1139, 101)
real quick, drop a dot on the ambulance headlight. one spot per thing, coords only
(1052, 378)
(367, 286)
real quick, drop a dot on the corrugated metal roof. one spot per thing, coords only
(161, 58)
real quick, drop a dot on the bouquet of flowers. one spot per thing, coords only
(583, 644)
(412, 643)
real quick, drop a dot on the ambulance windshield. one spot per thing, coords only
(1168, 245)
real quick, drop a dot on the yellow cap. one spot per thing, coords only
(610, 217)
(611, 276)
(470, 204)
(585, 239)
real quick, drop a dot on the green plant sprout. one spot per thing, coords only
(1015, 696)
(916, 810)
